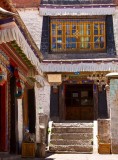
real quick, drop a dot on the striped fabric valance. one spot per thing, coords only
(53, 11)
(80, 66)
(10, 32)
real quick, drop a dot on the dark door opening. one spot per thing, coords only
(79, 102)
(13, 116)
(31, 110)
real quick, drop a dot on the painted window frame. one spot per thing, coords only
(64, 38)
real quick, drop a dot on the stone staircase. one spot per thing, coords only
(71, 138)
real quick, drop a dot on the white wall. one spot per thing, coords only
(114, 114)
(20, 121)
(42, 101)
(115, 26)
(33, 22)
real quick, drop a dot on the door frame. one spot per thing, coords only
(62, 105)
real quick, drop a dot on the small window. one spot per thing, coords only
(77, 35)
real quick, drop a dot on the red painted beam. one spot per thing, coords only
(15, 60)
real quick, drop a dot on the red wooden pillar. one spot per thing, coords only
(3, 130)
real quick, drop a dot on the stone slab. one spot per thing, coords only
(104, 131)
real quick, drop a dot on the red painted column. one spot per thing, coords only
(3, 118)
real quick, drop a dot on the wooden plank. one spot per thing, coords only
(28, 150)
(104, 148)
(79, 113)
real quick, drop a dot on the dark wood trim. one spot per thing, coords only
(62, 102)
(95, 98)
(80, 17)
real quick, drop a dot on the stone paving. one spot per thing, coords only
(82, 157)
(65, 157)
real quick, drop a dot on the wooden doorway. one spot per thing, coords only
(79, 103)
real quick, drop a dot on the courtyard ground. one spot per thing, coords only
(82, 157)
(64, 157)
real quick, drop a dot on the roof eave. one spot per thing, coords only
(24, 28)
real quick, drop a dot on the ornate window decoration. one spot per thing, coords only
(77, 35)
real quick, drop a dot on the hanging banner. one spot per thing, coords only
(54, 78)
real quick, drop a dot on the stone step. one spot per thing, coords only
(72, 148)
(69, 137)
(71, 142)
(72, 136)
(82, 125)
(72, 130)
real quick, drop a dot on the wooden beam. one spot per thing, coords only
(14, 59)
